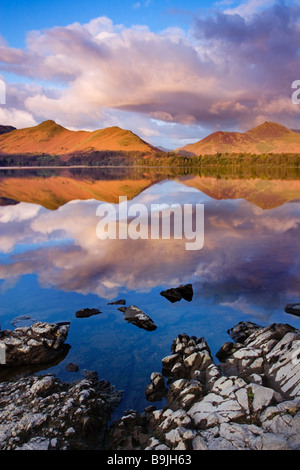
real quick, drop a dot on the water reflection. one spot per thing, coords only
(52, 264)
(250, 256)
(51, 188)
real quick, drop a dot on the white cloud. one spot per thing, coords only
(222, 74)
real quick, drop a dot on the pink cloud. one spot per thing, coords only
(228, 70)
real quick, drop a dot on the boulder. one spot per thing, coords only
(156, 390)
(39, 343)
(172, 295)
(175, 294)
(87, 312)
(136, 316)
(118, 302)
(71, 367)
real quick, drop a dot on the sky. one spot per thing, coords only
(171, 71)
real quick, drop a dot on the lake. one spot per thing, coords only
(52, 262)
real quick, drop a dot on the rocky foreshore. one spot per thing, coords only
(250, 399)
(42, 412)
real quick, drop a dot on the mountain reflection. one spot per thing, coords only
(250, 257)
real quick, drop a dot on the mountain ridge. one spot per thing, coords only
(268, 137)
(50, 138)
(53, 139)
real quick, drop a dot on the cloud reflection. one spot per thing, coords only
(250, 257)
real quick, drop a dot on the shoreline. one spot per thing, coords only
(250, 400)
(192, 167)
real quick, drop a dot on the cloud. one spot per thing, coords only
(248, 8)
(248, 253)
(232, 67)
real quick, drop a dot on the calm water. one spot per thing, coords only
(52, 264)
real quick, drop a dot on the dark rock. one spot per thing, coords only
(156, 390)
(134, 315)
(294, 309)
(87, 312)
(186, 292)
(172, 295)
(150, 408)
(91, 374)
(175, 294)
(72, 367)
(226, 350)
(118, 302)
(240, 332)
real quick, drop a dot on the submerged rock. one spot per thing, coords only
(175, 294)
(87, 312)
(136, 316)
(24, 320)
(71, 367)
(249, 401)
(39, 343)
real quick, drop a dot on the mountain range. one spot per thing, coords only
(268, 137)
(52, 139)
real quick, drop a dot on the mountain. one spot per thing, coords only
(52, 139)
(6, 129)
(268, 137)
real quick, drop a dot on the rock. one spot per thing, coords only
(39, 343)
(91, 374)
(136, 316)
(181, 292)
(172, 295)
(72, 367)
(118, 302)
(294, 309)
(44, 413)
(255, 407)
(240, 332)
(156, 390)
(186, 292)
(25, 320)
(87, 312)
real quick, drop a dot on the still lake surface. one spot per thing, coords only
(53, 264)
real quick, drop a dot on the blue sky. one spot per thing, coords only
(19, 17)
(172, 71)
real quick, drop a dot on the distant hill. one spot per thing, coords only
(6, 129)
(52, 139)
(265, 138)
